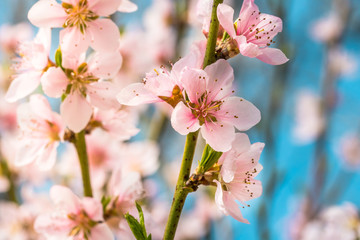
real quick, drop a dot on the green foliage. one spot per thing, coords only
(138, 227)
(208, 159)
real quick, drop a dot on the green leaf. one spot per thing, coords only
(141, 217)
(135, 227)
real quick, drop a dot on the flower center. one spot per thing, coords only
(83, 224)
(204, 110)
(79, 79)
(78, 15)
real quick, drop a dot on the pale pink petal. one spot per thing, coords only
(249, 50)
(27, 151)
(239, 112)
(183, 121)
(248, 14)
(239, 145)
(105, 35)
(51, 225)
(23, 85)
(64, 197)
(75, 111)
(245, 191)
(136, 94)
(232, 208)
(248, 160)
(127, 6)
(44, 38)
(47, 13)
(221, 76)
(194, 82)
(40, 106)
(225, 14)
(54, 82)
(219, 198)
(103, 95)
(218, 135)
(93, 208)
(104, 7)
(73, 41)
(272, 56)
(101, 231)
(105, 65)
(47, 157)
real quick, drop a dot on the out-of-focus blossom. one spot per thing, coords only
(4, 184)
(328, 28)
(82, 22)
(30, 66)
(12, 35)
(127, 6)
(82, 80)
(120, 123)
(210, 107)
(142, 157)
(78, 218)
(350, 151)
(333, 223)
(341, 62)
(309, 121)
(239, 167)
(252, 32)
(41, 131)
(7, 115)
(125, 188)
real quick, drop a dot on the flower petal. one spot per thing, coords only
(249, 49)
(47, 13)
(105, 65)
(73, 41)
(241, 113)
(64, 197)
(101, 231)
(75, 111)
(218, 135)
(105, 35)
(136, 94)
(272, 56)
(23, 85)
(194, 82)
(54, 82)
(183, 121)
(103, 95)
(104, 7)
(47, 157)
(127, 6)
(248, 14)
(232, 208)
(225, 14)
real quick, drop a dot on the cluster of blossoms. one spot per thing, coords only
(97, 116)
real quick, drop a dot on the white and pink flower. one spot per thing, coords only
(253, 32)
(78, 218)
(41, 131)
(82, 22)
(30, 66)
(84, 85)
(239, 166)
(210, 107)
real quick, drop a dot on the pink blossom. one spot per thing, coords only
(120, 123)
(82, 23)
(30, 66)
(327, 28)
(161, 85)
(349, 151)
(210, 106)
(79, 218)
(125, 187)
(41, 130)
(309, 120)
(84, 85)
(12, 35)
(127, 6)
(253, 32)
(236, 181)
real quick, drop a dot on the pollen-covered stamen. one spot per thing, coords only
(83, 224)
(79, 79)
(78, 15)
(204, 109)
